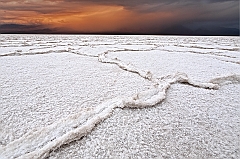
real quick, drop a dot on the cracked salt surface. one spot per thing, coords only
(40, 89)
(190, 123)
(73, 101)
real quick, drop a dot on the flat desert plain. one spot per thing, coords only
(110, 96)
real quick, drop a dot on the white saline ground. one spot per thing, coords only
(70, 96)
(41, 89)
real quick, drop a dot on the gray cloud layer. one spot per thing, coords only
(189, 13)
(134, 3)
(205, 9)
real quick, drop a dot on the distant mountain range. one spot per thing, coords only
(23, 29)
(213, 31)
(174, 30)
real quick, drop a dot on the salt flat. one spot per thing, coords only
(89, 96)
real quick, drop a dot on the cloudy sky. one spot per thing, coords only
(118, 16)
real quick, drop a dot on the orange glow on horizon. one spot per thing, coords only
(120, 17)
(89, 18)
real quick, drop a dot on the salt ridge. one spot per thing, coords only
(39, 143)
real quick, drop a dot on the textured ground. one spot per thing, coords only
(46, 79)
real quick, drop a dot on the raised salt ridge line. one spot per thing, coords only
(69, 50)
(33, 53)
(39, 143)
(127, 67)
(226, 80)
(157, 95)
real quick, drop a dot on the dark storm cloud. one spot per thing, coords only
(219, 9)
(207, 15)
(41, 6)
(152, 16)
(45, 6)
(143, 2)
(145, 6)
